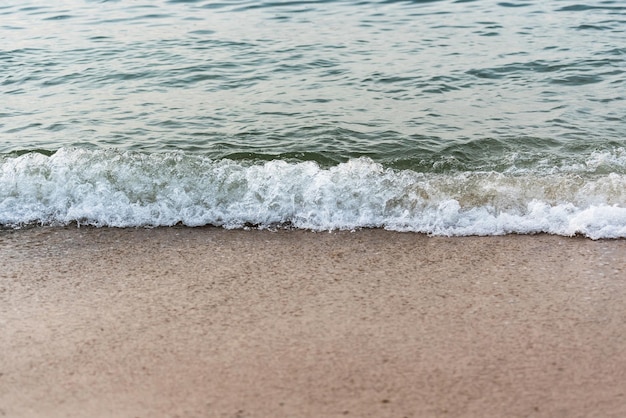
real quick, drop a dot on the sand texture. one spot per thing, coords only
(206, 322)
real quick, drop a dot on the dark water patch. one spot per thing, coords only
(577, 80)
(592, 27)
(217, 5)
(100, 38)
(24, 128)
(542, 66)
(506, 4)
(293, 6)
(202, 32)
(585, 7)
(56, 127)
(323, 159)
(608, 99)
(18, 152)
(618, 52)
(34, 9)
(60, 17)
(151, 16)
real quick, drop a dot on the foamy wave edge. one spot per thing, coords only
(125, 189)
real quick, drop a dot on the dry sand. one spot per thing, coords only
(213, 323)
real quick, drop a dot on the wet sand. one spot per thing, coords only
(214, 323)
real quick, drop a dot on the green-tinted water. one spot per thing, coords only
(450, 117)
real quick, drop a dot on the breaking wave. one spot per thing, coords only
(129, 189)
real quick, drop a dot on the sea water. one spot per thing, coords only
(444, 117)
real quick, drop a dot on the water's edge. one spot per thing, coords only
(125, 189)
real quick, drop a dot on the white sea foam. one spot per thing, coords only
(123, 189)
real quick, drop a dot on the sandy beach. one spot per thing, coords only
(205, 322)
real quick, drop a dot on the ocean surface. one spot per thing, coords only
(445, 117)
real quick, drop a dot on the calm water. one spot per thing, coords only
(445, 117)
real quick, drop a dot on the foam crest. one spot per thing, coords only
(125, 189)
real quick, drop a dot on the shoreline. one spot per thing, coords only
(213, 322)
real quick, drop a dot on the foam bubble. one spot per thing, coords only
(125, 189)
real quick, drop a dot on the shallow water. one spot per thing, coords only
(445, 117)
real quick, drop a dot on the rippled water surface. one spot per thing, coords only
(394, 80)
(524, 90)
